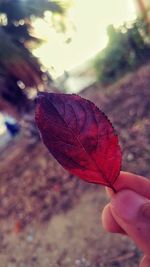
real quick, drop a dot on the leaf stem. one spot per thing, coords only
(113, 188)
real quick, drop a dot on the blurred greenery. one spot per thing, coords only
(127, 48)
(19, 69)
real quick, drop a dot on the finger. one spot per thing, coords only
(132, 212)
(109, 192)
(133, 182)
(109, 222)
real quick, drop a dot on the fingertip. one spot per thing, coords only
(109, 192)
(126, 205)
(108, 221)
(132, 212)
(131, 181)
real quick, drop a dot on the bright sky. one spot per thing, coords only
(90, 17)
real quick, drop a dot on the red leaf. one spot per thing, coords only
(79, 136)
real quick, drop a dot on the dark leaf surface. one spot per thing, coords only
(79, 136)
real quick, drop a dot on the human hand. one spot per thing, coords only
(129, 211)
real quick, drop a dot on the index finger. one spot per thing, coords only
(136, 183)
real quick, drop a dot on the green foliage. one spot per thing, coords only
(19, 9)
(17, 64)
(127, 48)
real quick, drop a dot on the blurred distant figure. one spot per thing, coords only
(11, 125)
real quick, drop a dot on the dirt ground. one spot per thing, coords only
(49, 218)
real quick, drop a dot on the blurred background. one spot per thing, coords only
(100, 50)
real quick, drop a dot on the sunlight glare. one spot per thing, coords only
(90, 19)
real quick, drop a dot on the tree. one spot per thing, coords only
(127, 48)
(114, 58)
(144, 8)
(19, 69)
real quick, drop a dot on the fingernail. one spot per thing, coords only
(126, 204)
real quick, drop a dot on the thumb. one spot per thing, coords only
(132, 212)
